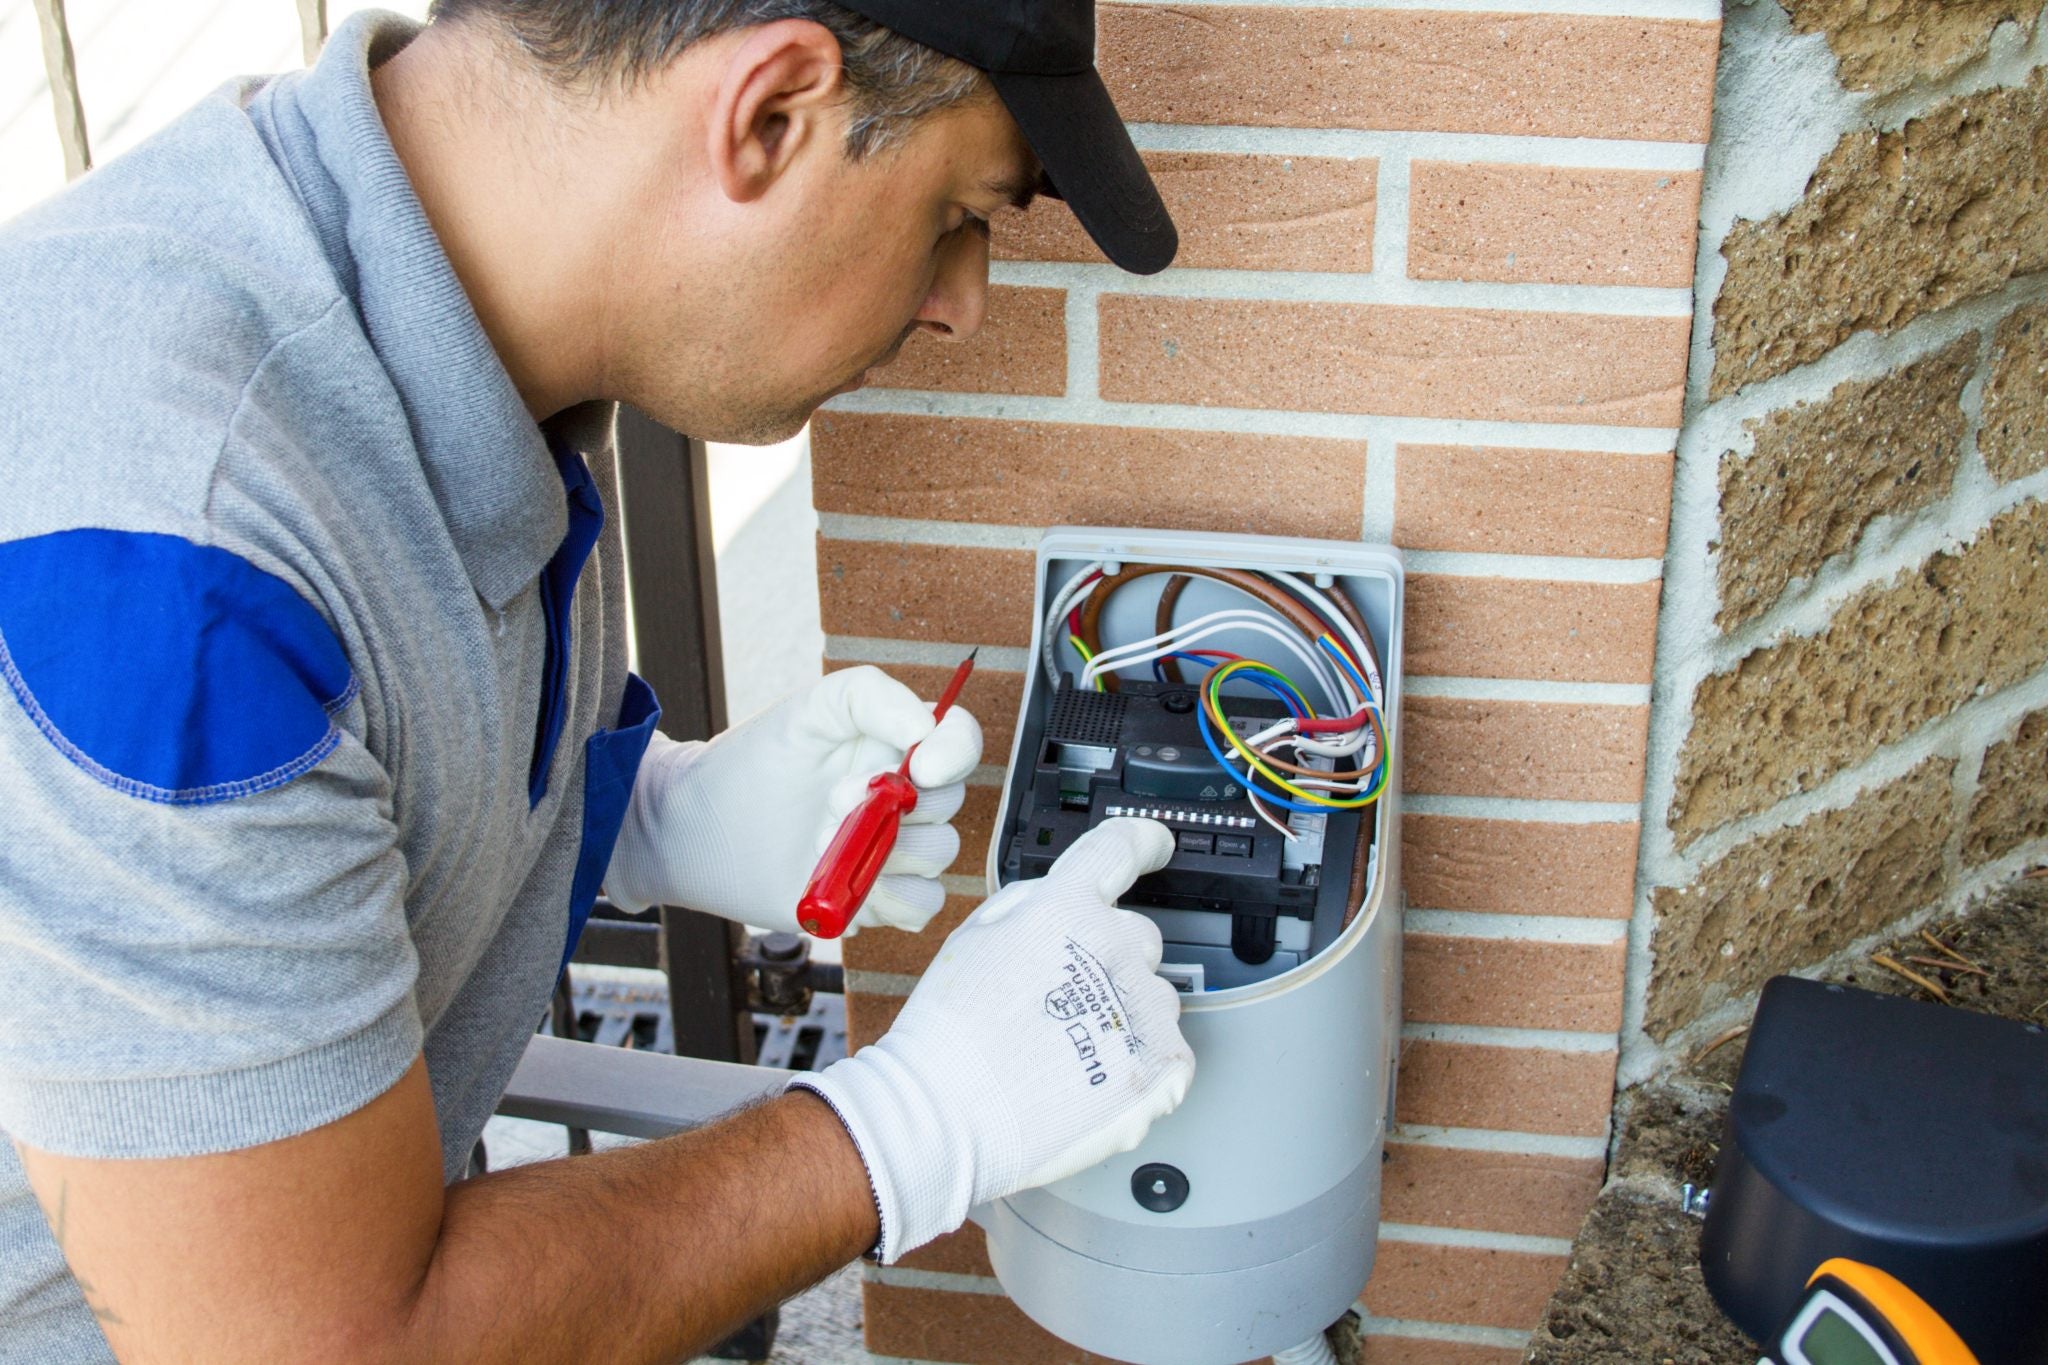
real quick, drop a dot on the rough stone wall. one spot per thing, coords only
(1848, 728)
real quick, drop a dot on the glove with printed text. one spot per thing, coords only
(1038, 1043)
(734, 826)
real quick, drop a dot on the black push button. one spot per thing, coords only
(1159, 1187)
(1234, 845)
(1196, 841)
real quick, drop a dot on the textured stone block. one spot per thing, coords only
(1394, 360)
(2011, 806)
(1233, 211)
(1512, 983)
(1532, 502)
(1819, 473)
(1558, 751)
(1550, 75)
(1475, 627)
(1021, 348)
(957, 1253)
(1887, 45)
(1451, 1187)
(1552, 224)
(1054, 473)
(1893, 225)
(1795, 896)
(1421, 1281)
(1519, 867)
(2014, 437)
(1516, 1089)
(1895, 656)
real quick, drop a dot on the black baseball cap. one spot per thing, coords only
(1040, 57)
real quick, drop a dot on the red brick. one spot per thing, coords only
(1514, 1192)
(1389, 1349)
(969, 596)
(1515, 1089)
(900, 952)
(1552, 224)
(1514, 867)
(1422, 1282)
(1475, 627)
(1047, 473)
(1532, 502)
(1549, 75)
(972, 1329)
(1561, 751)
(1512, 983)
(957, 1253)
(1394, 360)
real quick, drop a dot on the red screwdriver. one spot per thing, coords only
(855, 856)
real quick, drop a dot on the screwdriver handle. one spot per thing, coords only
(855, 856)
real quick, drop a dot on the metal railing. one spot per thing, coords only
(60, 63)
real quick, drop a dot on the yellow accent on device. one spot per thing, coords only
(1856, 1314)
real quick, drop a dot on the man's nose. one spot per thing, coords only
(958, 301)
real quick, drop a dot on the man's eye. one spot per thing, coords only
(969, 222)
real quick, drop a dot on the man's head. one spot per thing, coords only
(722, 211)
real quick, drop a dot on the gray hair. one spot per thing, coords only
(891, 81)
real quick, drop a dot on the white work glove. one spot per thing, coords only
(734, 826)
(1038, 1043)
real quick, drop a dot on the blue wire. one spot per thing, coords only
(1245, 779)
(1349, 667)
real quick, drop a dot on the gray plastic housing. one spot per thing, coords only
(1280, 1138)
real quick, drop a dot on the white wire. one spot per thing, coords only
(1235, 618)
(1344, 628)
(1063, 602)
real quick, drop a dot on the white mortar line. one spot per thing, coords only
(1497, 1140)
(987, 775)
(1524, 809)
(1382, 487)
(873, 649)
(962, 884)
(1083, 348)
(1431, 1235)
(1496, 689)
(1390, 225)
(1590, 153)
(1319, 287)
(1528, 1039)
(1524, 928)
(1445, 1331)
(1625, 440)
(992, 536)
(1477, 564)
(907, 1278)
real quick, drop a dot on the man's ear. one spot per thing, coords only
(779, 95)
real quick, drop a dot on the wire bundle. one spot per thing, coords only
(1297, 764)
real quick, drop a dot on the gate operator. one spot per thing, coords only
(1243, 691)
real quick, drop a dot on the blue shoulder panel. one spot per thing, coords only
(168, 670)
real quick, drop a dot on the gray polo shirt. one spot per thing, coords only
(301, 688)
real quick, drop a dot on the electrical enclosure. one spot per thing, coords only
(1245, 1222)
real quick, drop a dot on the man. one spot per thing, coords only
(317, 739)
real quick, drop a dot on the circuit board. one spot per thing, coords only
(1140, 751)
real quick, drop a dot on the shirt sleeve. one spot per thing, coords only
(203, 941)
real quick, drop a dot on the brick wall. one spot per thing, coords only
(1434, 289)
(1852, 710)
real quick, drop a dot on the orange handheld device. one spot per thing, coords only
(1856, 1314)
(854, 858)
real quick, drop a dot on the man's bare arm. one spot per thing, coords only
(342, 1243)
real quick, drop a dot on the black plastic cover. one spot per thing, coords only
(1910, 1137)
